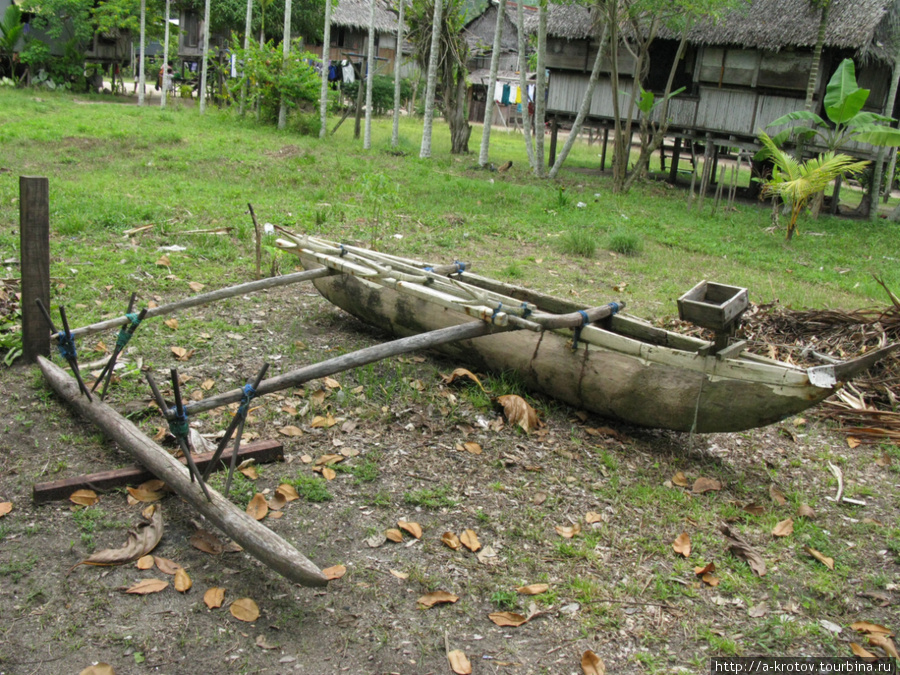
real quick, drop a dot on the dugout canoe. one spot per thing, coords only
(621, 367)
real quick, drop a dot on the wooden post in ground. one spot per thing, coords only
(676, 155)
(34, 244)
(603, 152)
(554, 131)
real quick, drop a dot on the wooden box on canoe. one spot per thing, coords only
(714, 306)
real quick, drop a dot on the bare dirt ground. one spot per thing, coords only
(617, 588)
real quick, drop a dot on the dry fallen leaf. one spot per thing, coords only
(469, 539)
(196, 286)
(853, 442)
(148, 586)
(207, 542)
(278, 501)
(518, 411)
(567, 532)
(821, 557)
(182, 354)
(206, 385)
(777, 495)
(163, 261)
(784, 528)
(754, 509)
(702, 485)
(806, 511)
(451, 540)
(741, 548)
(145, 562)
(141, 541)
(288, 491)
(84, 497)
(331, 383)
(146, 496)
(471, 447)
(461, 373)
(507, 618)
(459, 662)
(319, 422)
(413, 528)
(860, 651)
(682, 544)
(592, 517)
(165, 565)
(244, 609)
(533, 589)
(258, 508)
(5, 507)
(866, 627)
(250, 472)
(328, 473)
(399, 575)
(335, 572)
(883, 641)
(172, 323)
(290, 430)
(591, 664)
(214, 597)
(436, 598)
(710, 579)
(394, 535)
(182, 582)
(98, 669)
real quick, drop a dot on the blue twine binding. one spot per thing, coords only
(343, 251)
(496, 311)
(460, 267)
(178, 424)
(65, 344)
(249, 393)
(585, 320)
(526, 310)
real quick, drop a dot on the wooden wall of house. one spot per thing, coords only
(579, 55)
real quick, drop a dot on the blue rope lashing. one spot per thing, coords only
(343, 251)
(124, 333)
(460, 266)
(65, 344)
(178, 424)
(496, 311)
(526, 310)
(428, 268)
(585, 320)
(249, 393)
(614, 308)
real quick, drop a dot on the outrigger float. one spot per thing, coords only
(595, 358)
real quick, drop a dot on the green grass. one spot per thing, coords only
(310, 488)
(430, 498)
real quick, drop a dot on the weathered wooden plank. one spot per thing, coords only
(34, 244)
(260, 451)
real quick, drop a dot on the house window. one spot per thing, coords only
(191, 30)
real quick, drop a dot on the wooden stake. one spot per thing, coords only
(34, 244)
(719, 187)
(258, 242)
(255, 538)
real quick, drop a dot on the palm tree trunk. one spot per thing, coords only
(523, 83)
(326, 63)
(878, 169)
(285, 52)
(539, 99)
(431, 81)
(585, 105)
(395, 133)
(162, 97)
(370, 77)
(142, 78)
(492, 81)
(817, 53)
(205, 69)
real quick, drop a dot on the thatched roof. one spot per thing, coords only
(355, 14)
(764, 24)
(479, 32)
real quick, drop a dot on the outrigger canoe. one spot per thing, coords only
(597, 359)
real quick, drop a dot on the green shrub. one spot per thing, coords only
(382, 92)
(624, 242)
(578, 242)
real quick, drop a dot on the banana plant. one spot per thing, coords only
(796, 182)
(11, 31)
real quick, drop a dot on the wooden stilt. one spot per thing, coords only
(603, 152)
(676, 155)
(34, 244)
(554, 132)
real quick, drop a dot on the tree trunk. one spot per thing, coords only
(164, 93)
(395, 133)
(813, 81)
(431, 81)
(370, 77)
(255, 538)
(455, 99)
(285, 52)
(585, 105)
(492, 81)
(878, 169)
(326, 63)
(205, 69)
(539, 98)
(142, 77)
(523, 83)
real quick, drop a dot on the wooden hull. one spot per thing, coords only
(639, 381)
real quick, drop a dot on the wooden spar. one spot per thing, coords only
(258, 540)
(295, 378)
(205, 298)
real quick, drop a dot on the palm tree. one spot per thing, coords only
(797, 182)
(11, 29)
(489, 106)
(823, 6)
(431, 80)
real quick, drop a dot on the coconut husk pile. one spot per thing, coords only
(871, 403)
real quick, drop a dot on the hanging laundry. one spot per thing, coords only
(504, 100)
(531, 89)
(347, 67)
(518, 95)
(332, 72)
(498, 92)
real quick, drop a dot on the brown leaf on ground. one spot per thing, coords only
(710, 580)
(883, 641)
(451, 540)
(400, 575)
(171, 323)
(320, 422)
(518, 411)
(244, 609)
(98, 669)
(328, 473)
(196, 286)
(507, 618)
(288, 491)
(258, 508)
(290, 430)
(207, 542)
(806, 511)
(867, 627)
(777, 496)
(702, 485)
(278, 501)
(250, 472)
(436, 598)
(84, 497)
(148, 586)
(166, 566)
(182, 354)
(331, 383)
(853, 442)
(682, 544)
(539, 498)
(459, 662)
(567, 532)
(328, 460)
(145, 562)
(742, 549)
(784, 528)
(533, 589)
(591, 664)
(413, 528)
(462, 373)
(5, 507)
(861, 652)
(146, 496)
(700, 571)
(163, 261)
(754, 509)
(821, 557)
(394, 535)
(182, 581)
(469, 539)
(592, 517)
(214, 597)
(335, 572)
(680, 480)
(472, 447)
(207, 384)
(141, 541)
